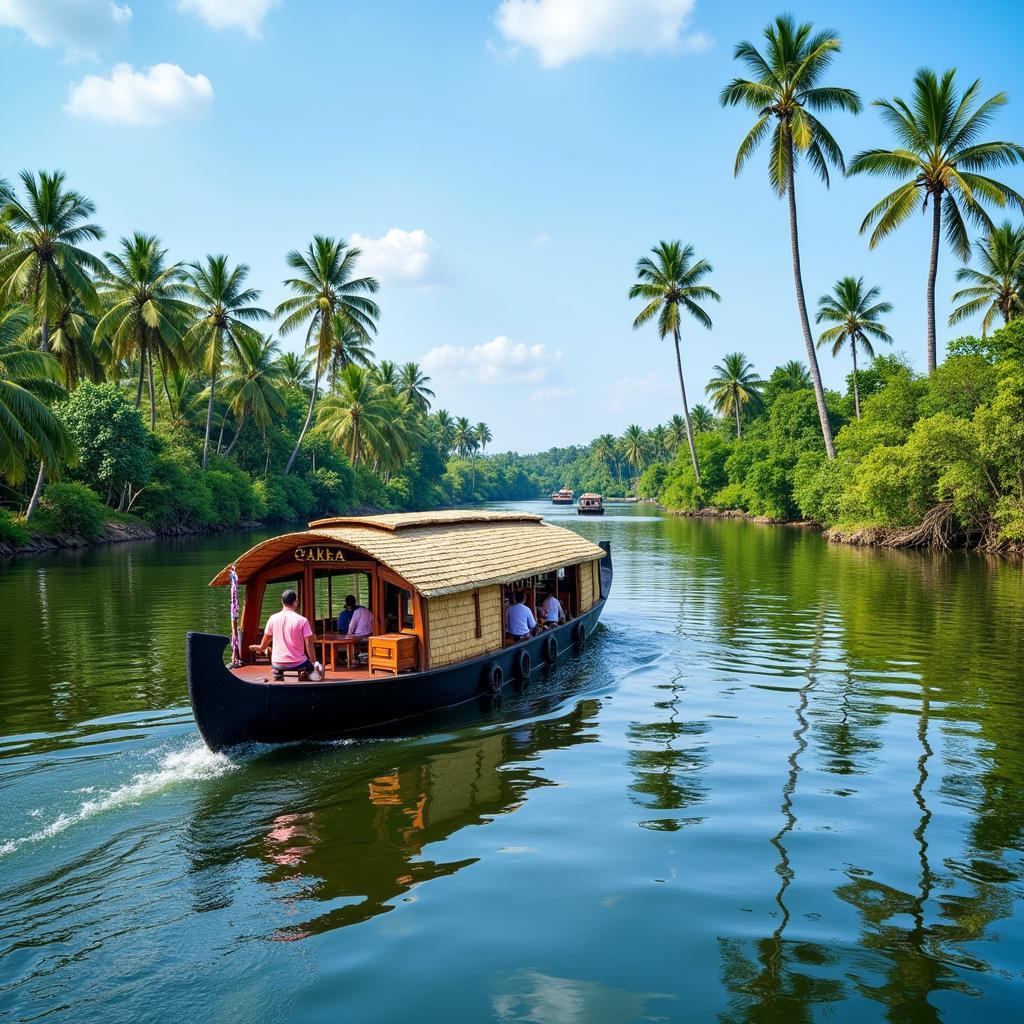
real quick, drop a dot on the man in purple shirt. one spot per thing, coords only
(361, 623)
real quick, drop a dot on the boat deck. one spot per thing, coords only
(262, 673)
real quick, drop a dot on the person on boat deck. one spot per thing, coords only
(345, 615)
(551, 612)
(361, 623)
(290, 639)
(519, 620)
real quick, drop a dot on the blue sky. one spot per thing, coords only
(502, 162)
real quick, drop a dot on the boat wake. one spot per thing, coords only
(196, 763)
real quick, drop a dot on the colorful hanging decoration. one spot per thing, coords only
(236, 639)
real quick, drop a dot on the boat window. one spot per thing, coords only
(330, 590)
(399, 615)
(271, 602)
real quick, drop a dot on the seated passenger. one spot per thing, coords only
(361, 623)
(519, 620)
(345, 615)
(551, 612)
(290, 639)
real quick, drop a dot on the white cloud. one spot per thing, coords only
(499, 361)
(80, 26)
(540, 239)
(547, 395)
(399, 257)
(633, 393)
(247, 15)
(563, 30)
(153, 96)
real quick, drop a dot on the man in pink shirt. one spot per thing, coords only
(290, 639)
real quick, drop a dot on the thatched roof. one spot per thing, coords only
(438, 552)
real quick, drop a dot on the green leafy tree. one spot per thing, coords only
(145, 309)
(735, 385)
(854, 314)
(43, 263)
(225, 312)
(668, 284)
(786, 91)
(940, 155)
(327, 296)
(998, 288)
(414, 386)
(28, 383)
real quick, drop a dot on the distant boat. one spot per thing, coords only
(590, 505)
(562, 497)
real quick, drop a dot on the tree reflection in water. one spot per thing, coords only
(351, 841)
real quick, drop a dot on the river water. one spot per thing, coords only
(784, 783)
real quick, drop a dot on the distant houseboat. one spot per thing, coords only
(437, 586)
(562, 497)
(590, 505)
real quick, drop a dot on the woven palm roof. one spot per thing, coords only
(438, 552)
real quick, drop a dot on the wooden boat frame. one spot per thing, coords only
(245, 705)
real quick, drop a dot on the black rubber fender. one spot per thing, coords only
(579, 636)
(524, 666)
(493, 678)
(551, 648)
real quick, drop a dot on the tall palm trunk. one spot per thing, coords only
(223, 427)
(736, 409)
(812, 356)
(142, 378)
(309, 418)
(933, 269)
(686, 408)
(33, 502)
(152, 395)
(856, 390)
(209, 417)
(238, 434)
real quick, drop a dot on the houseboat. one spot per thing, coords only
(437, 585)
(562, 497)
(590, 505)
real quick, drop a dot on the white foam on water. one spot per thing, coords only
(193, 764)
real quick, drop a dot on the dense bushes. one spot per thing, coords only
(73, 509)
(11, 531)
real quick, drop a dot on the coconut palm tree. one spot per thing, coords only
(185, 397)
(296, 371)
(785, 90)
(145, 309)
(359, 418)
(635, 448)
(28, 383)
(998, 288)
(351, 346)
(43, 262)
(703, 419)
(675, 431)
(483, 435)
(604, 450)
(735, 385)
(71, 340)
(386, 374)
(669, 283)
(226, 310)
(854, 313)
(463, 437)
(413, 387)
(939, 155)
(794, 374)
(445, 429)
(252, 386)
(325, 288)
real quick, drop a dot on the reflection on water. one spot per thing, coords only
(785, 783)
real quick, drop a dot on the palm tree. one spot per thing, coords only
(667, 283)
(413, 387)
(386, 374)
(483, 435)
(634, 447)
(71, 340)
(351, 346)
(253, 384)
(675, 432)
(463, 436)
(28, 382)
(225, 311)
(794, 374)
(359, 419)
(703, 419)
(43, 262)
(326, 288)
(786, 92)
(658, 437)
(145, 310)
(853, 311)
(999, 285)
(604, 450)
(296, 371)
(735, 385)
(445, 429)
(185, 399)
(939, 154)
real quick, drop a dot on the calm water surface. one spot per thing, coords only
(785, 783)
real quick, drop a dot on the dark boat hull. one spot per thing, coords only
(589, 511)
(230, 710)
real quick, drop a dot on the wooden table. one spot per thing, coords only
(332, 642)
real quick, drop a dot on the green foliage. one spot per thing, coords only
(73, 509)
(680, 489)
(651, 480)
(11, 530)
